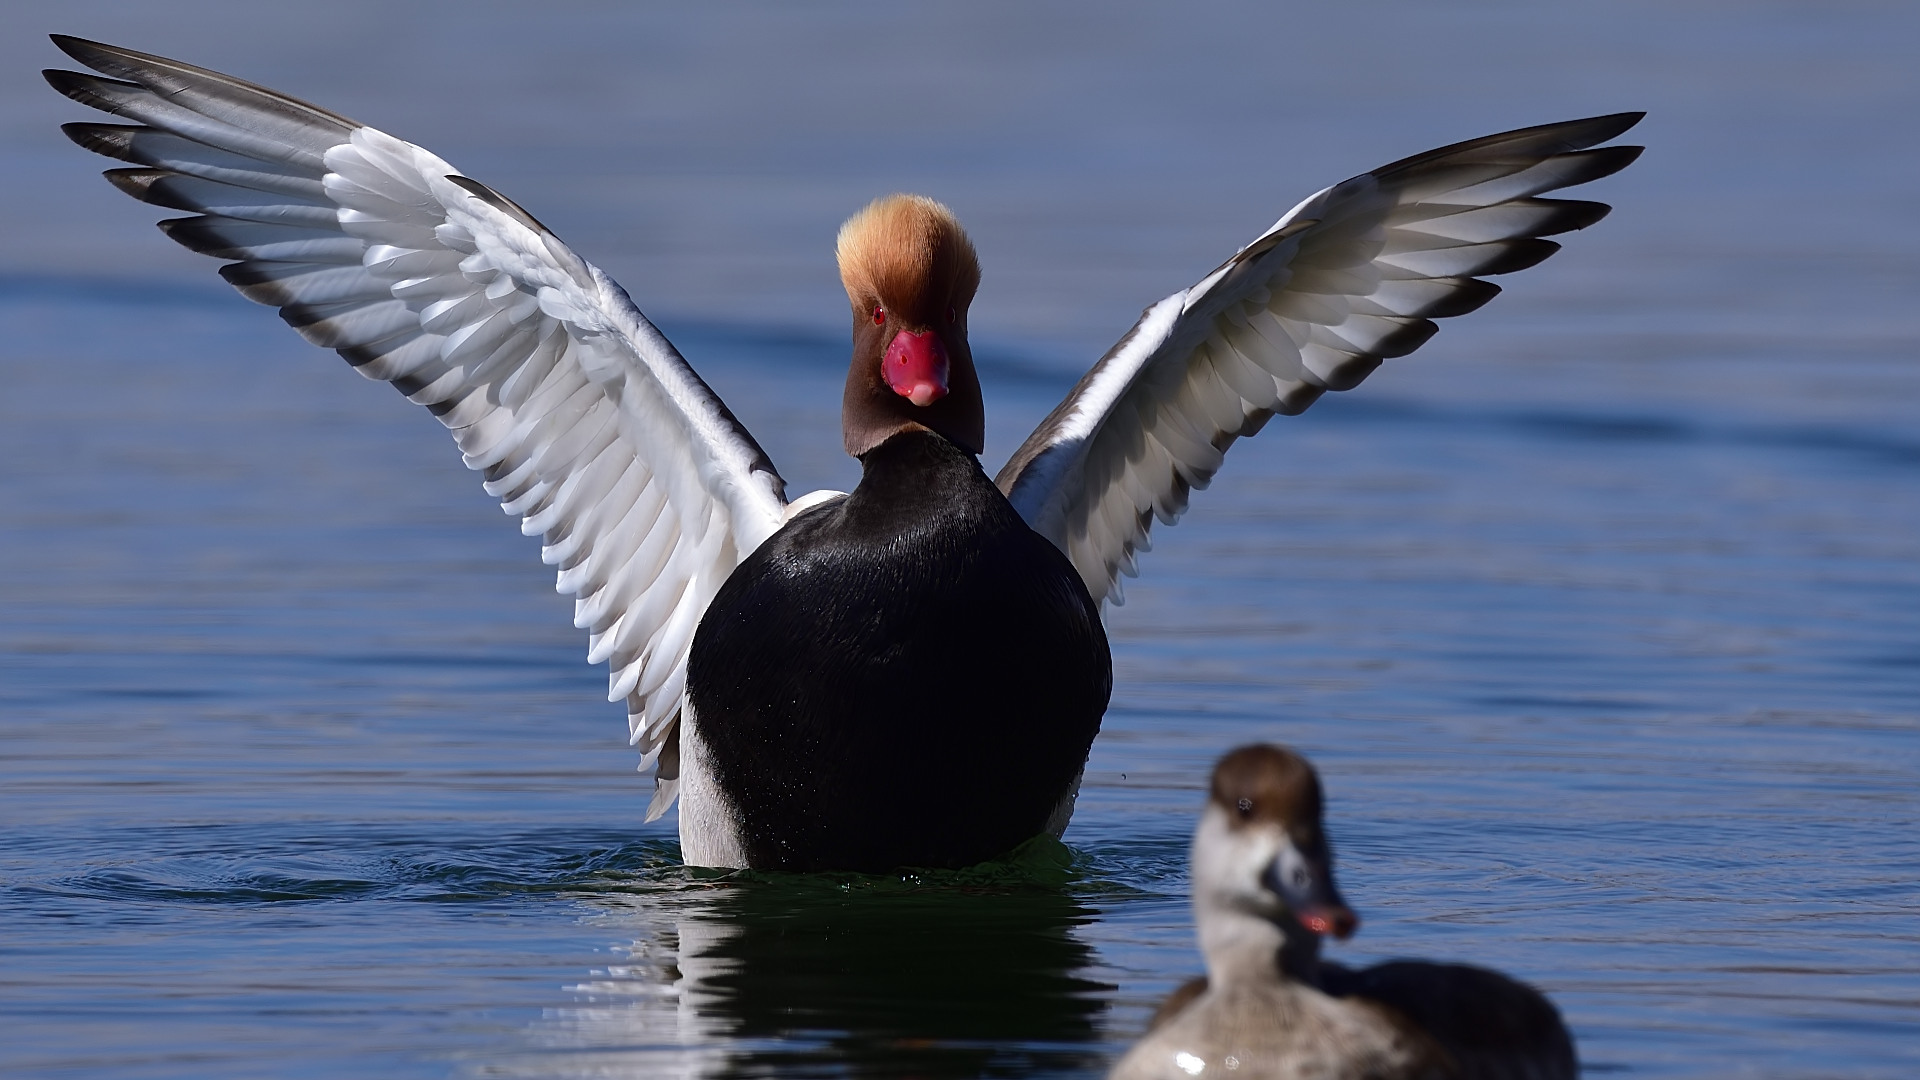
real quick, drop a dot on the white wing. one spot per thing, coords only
(1349, 277)
(586, 423)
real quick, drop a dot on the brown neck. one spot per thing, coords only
(871, 412)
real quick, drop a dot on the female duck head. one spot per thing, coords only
(1263, 890)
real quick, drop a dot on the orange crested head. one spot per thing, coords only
(908, 255)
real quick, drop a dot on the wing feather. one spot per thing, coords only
(583, 420)
(1352, 276)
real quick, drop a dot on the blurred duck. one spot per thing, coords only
(1269, 1007)
(910, 674)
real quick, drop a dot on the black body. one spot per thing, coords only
(909, 676)
(1490, 1025)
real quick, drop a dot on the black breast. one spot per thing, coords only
(907, 677)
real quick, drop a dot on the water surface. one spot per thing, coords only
(1601, 615)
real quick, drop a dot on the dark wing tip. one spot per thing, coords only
(1608, 160)
(1405, 340)
(260, 285)
(1543, 140)
(1468, 295)
(1576, 134)
(1518, 255)
(108, 140)
(110, 59)
(1352, 371)
(202, 235)
(140, 183)
(1571, 215)
(77, 47)
(160, 74)
(1595, 130)
(85, 88)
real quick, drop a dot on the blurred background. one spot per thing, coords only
(1600, 614)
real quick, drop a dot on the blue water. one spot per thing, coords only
(1600, 615)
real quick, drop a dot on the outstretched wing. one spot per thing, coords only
(1351, 276)
(585, 422)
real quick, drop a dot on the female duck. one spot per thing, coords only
(1263, 896)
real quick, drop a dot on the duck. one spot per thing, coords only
(1269, 1007)
(910, 674)
(854, 638)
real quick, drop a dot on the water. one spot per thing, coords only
(1598, 615)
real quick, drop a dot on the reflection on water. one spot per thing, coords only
(943, 975)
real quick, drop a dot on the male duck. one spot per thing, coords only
(914, 673)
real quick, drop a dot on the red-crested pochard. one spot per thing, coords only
(1270, 1009)
(908, 675)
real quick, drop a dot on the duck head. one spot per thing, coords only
(910, 274)
(1263, 891)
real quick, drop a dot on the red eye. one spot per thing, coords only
(879, 316)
